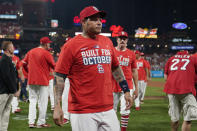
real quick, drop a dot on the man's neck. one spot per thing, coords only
(42, 47)
(121, 48)
(89, 35)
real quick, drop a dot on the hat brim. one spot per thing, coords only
(102, 14)
(123, 36)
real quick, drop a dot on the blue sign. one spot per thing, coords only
(189, 47)
(157, 74)
(179, 25)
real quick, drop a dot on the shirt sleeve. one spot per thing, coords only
(25, 63)
(65, 60)
(50, 60)
(133, 62)
(115, 61)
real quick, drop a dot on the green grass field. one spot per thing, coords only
(153, 116)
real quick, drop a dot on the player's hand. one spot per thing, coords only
(129, 100)
(58, 116)
(135, 94)
(16, 94)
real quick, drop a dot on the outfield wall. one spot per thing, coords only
(157, 74)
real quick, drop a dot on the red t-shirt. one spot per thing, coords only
(51, 76)
(38, 62)
(180, 70)
(16, 62)
(195, 55)
(141, 66)
(88, 64)
(127, 60)
(23, 70)
(148, 67)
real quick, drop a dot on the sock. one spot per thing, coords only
(124, 122)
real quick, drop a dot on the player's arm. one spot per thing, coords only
(120, 78)
(147, 73)
(165, 77)
(135, 80)
(58, 91)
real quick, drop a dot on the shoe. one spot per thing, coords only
(141, 102)
(52, 108)
(43, 126)
(66, 121)
(32, 125)
(137, 108)
(17, 111)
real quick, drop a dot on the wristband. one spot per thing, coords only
(124, 86)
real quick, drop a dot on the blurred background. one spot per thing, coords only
(156, 27)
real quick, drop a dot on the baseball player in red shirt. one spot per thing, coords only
(195, 55)
(142, 74)
(88, 60)
(146, 79)
(65, 96)
(38, 62)
(180, 78)
(127, 60)
(15, 101)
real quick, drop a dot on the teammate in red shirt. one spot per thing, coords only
(142, 74)
(127, 60)
(38, 62)
(146, 79)
(88, 61)
(195, 55)
(180, 77)
(15, 101)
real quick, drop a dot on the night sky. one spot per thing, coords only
(132, 14)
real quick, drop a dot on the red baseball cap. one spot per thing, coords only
(137, 52)
(45, 40)
(122, 33)
(89, 11)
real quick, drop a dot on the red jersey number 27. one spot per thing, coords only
(175, 66)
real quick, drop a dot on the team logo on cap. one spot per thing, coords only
(123, 33)
(95, 8)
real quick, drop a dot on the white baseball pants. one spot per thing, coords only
(140, 93)
(14, 104)
(65, 99)
(101, 121)
(144, 90)
(119, 96)
(38, 94)
(51, 93)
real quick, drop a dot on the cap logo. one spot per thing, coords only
(95, 8)
(122, 33)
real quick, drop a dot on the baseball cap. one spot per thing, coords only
(45, 40)
(122, 33)
(137, 52)
(89, 11)
(183, 52)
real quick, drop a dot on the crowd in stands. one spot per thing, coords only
(7, 7)
(10, 28)
(157, 61)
